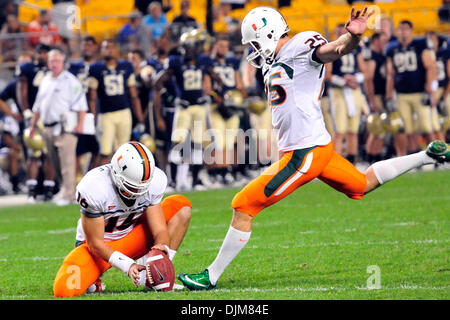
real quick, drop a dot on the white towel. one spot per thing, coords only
(349, 101)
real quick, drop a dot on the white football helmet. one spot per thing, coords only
(262, 27)
(132, 169)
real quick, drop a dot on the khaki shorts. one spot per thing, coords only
(325, 106)
(411, 104)
(114, 130)
(191, 119)
(224, 131)
(263, 124)
(344, 123)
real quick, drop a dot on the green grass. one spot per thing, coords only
(315, 244)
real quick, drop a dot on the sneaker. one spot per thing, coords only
(97, 286)
(439, 150)
(198, 186)
(61, 202)
(197, 281)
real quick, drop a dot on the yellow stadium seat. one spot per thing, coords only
(28, 14)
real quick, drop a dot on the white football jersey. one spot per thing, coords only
(294, 85)
(98, 196)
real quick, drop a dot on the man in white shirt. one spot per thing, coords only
(60, 92)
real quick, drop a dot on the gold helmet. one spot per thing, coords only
(203, 37)
(392, 122)
(189, 37)
(375, 125)
(148, 141)
(35, 143)
(256, 105)
(233, 98)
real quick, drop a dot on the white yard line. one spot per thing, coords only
(335, 244)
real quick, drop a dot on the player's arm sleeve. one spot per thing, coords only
(92, 81)
(131, 81)
(307, 43)
(89, 206)
(366, 54)
(24, 70)
(162, 185)
(174, 63)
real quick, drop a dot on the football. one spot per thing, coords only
(160, 273)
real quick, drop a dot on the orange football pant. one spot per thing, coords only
(293, 170)
(80, 268)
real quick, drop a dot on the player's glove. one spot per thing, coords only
(139, 128)
(426, 99)
(181, 103)
(441, 108)
(204, 100)
(390, 105)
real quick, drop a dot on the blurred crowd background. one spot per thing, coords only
(150, 68)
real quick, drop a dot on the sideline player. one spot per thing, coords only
(191, 75)
(293, 70)
(347, 100)
(122, 218)
(223, 115)
(374, 80)
(112, 86)
(411, 71)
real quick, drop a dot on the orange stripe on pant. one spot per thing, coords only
(293, 170)
(80, 268)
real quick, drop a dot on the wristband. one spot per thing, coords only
(337, 81)
(120, 261)
(359, 77)
(434, 86)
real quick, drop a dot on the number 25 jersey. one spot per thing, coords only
(294, 84)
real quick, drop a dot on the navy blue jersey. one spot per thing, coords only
(33, 73)
(112, 88)
(80, 69)
(410, 74)
(170, 87)
(347, 64)
(189, 77)
(379, 76)
(442, 57)
(9, 92)
(226, 70)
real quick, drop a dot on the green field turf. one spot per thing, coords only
(315, 244)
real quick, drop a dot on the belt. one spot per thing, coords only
(51, 124)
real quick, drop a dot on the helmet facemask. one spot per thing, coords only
(129, 190)
(258, 57)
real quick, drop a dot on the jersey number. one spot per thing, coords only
(227, 75)
(112, 222)
(348, 64)
(192, 80)
(114, 84)
(316, 41)
(275, 88)
(405, 61)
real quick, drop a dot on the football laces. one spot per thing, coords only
(149, 275)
